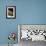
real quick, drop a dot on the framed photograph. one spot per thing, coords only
(33, 32)
(11, 12)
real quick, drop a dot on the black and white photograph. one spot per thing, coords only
(11, 12)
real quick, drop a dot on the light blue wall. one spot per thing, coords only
(6, 25)
(27, 12)
(31, 11)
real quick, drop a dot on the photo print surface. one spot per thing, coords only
(32, 32)
(10, 11)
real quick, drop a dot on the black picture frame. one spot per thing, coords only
(10, 12)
